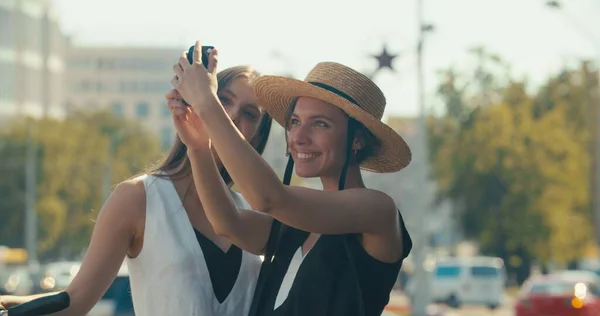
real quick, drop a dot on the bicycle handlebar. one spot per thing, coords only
(40, 306)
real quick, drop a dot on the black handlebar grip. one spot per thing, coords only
(42, 306)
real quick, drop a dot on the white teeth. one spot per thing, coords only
(305, 156)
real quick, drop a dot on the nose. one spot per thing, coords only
(300, 134)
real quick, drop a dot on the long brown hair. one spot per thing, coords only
(177, 164)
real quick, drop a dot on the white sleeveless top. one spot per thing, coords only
(170, 275)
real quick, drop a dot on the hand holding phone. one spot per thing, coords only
(190, 57)
(205, 52)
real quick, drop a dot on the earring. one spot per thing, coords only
(354, 152)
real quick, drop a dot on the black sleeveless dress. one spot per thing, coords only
(326, 282)
(223, 266)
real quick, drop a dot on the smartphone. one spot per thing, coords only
(205, 52)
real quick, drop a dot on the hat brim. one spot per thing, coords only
(275, 94)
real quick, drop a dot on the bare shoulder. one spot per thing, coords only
(128, 199)
(378, 201)
(381, 197)
(133, 187)
(386, 244)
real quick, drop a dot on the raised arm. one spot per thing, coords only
(326, 212)
(247, 229)
(113, 232)
(349, 211)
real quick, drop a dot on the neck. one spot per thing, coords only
(353, 179)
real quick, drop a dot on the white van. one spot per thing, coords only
(472, 281)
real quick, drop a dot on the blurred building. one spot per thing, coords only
(129, 81)
(31, 59)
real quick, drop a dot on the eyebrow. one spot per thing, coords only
(316, 116)
(227, 91)
(254, 106)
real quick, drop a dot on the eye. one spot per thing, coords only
(224, 100)
(320, 124)
(294, 121)
(251, 115)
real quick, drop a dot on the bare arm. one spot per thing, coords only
(246, 229)
(111, 238)
(349, 211)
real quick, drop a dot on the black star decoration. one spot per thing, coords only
(385, 59)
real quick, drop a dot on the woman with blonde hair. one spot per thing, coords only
(156, 222)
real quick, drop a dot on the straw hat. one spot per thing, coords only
(352, 92)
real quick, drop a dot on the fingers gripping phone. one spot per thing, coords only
(205, 52)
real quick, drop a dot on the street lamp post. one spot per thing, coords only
(595, 166)
(113, 139)
(421, 297)
(31, 198)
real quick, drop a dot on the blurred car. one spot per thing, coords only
(474, 281)
(559, 294)
(58, 275)
(116, 301)
(577, 275)
(16, 280)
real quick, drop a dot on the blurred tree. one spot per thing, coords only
(515, 165)
(12, 184)
(523, 183)
(73, 157)
(576, 89)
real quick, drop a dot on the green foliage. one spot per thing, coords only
(72, 164)
(516, 163)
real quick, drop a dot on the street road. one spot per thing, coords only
(402, 308)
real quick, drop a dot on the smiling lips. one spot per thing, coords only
(306, 156)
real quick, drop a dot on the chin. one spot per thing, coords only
(307, 172)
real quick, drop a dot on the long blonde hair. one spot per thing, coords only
(177, 165)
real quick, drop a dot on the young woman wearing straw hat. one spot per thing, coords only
(341, 248)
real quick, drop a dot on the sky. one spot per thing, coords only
(295, 35)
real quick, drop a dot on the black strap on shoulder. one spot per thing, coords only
(352, 126)
(272, 246)
(266, 266)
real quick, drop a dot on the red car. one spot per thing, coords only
(559, 295)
